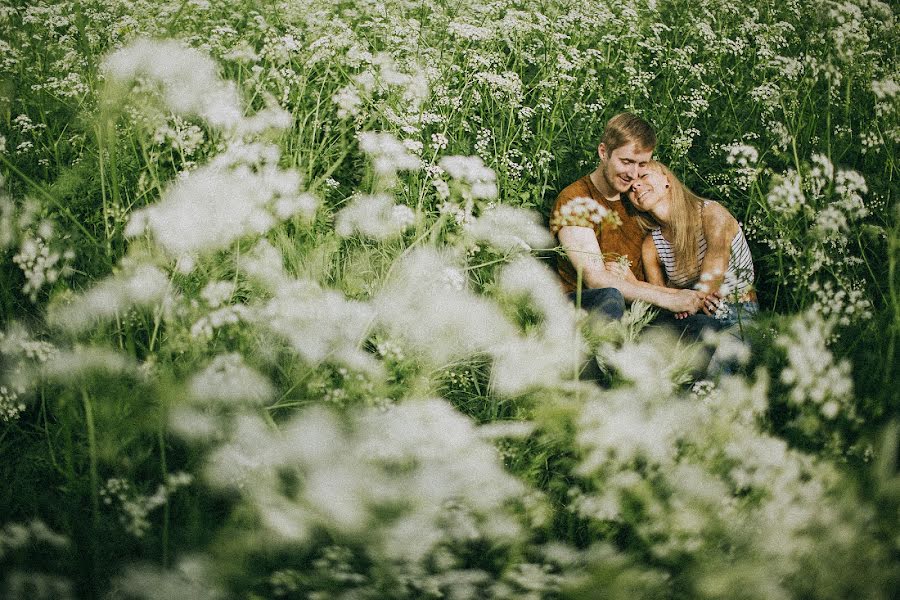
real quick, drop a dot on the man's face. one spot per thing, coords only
(624, 165)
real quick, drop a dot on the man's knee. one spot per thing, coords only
(606, 301)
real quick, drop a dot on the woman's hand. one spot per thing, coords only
(710, 304)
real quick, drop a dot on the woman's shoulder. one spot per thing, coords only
(716, 218)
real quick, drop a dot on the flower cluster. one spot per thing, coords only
(580, 212)
(134, 508)
(475, 179)
(814, 377)
(40, 263)
(144, 286)
(387, 153)
(241, 193)
(509, 229)
(374, 216)
(421, 460)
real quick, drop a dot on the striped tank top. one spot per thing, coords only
(738, 277)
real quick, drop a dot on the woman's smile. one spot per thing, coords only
(648, 189)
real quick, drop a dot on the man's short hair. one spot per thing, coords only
(625, 128)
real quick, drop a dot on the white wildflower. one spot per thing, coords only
(189, 79)
(421, 457)
(11, 404)
(188, 579)
(510, 229)
(319, 324)
(812, 374)
(467, 31)
(212, 207)
(264, 264)
(145, 286)
(579, 212)
(435, 319)
(133, 507)
(228, 379)
(742, 155)
(217, 293)
(480, 182)
(387, 153)
(547, 355)
(75, 363)
(373, 216)
(786, 196)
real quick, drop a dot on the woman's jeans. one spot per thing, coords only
(731, 317)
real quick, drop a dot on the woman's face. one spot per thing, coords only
(648, 189)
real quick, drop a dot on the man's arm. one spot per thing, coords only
(583, 251)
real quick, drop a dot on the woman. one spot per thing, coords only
(694, 243)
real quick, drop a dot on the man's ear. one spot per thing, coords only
(601, 151)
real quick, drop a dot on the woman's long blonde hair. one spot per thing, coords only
(686, 224)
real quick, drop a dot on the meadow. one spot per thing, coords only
(279, 319)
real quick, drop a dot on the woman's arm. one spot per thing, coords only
(653, 272)
(719, 228)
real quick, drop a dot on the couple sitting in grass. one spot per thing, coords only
(632, 231)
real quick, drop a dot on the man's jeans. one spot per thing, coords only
(608, 302)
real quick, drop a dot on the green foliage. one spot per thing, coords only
(163, 396)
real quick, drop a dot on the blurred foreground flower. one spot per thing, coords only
(403, 480)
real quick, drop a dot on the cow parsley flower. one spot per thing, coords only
(812, 374)
(373, 216)
(214, 206)
(420, 459)
(228, 379)
(786, 196)
(189, 81)
(318, 324)
(510, 229)
(478, 181)
(437, 320)
(145, 286)
(387, 153)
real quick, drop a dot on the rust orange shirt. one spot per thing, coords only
(616, 240)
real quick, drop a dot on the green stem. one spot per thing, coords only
(92, 455)
(161, 438)
(50, 450)
(94, 480)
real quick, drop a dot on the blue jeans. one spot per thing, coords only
(608, 302)
(693, 326)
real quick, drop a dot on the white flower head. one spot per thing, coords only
(436, 319)
(229, 380)
(374, 216)
(145, 286)
(189, 80)
(510, 229)
(479, 181)
(387, 153)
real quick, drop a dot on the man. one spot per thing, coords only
(608, 258)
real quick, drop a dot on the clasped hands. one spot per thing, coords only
(693, 301)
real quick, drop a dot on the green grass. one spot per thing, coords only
(529, 95)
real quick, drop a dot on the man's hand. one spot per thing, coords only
(686, 301)
(620, 270)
